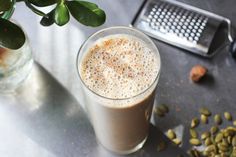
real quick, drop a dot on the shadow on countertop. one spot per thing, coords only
(51, 117)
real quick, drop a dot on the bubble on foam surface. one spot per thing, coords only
(119, 66)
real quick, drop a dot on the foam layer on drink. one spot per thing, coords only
(119, 66)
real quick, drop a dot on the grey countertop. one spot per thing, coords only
(45, 118)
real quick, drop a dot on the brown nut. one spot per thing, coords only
(197, 72)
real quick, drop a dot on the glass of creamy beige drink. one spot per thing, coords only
(119, 69)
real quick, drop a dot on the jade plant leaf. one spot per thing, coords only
(61, 15)
(42, 3)
(12, 36)
(49, 19)
(86, 13)
(5, 5)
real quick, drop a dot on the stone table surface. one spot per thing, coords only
(45, 118)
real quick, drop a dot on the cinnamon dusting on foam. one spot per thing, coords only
(119, 66)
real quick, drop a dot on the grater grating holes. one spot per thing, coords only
(170, 19)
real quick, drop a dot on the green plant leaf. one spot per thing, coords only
(86, 13)
(61, 15)
(5, 5)
(49, 19)
(34, 9)
(11, 35)
(42, 3)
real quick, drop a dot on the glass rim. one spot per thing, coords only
(110, 28)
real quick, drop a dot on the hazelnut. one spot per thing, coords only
(197, 72)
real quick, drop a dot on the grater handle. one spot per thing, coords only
(233, 48)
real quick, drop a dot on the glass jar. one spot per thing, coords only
(15, 65)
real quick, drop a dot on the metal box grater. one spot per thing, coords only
(181, 25)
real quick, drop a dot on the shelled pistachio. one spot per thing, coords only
(171, 134)
(194, 122)
(204, 111)
(217, 119)
(228, 116)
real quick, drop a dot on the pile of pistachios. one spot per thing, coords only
(214, 142)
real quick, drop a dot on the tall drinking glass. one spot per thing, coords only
(121, 92)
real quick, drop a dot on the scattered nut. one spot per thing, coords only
(177, 141)
(171, 134)
(194, 122)
(228, 116)
(197, 72)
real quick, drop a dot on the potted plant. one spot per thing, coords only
(84, 12)
(15, 53)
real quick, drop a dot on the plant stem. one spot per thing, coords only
(35, 10)
(61, 1)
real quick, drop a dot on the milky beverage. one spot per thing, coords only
(122, 72)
